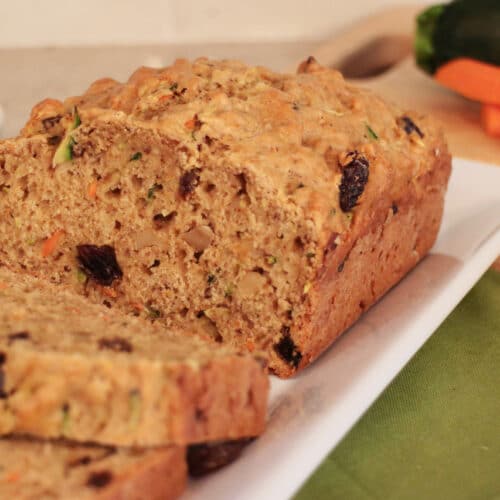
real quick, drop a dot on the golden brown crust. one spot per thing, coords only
(353, 281)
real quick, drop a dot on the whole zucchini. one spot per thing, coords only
(463, 28)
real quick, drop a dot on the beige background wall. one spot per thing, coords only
(25, 23)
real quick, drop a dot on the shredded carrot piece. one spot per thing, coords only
(13, 477)
(165, 97)
(92, 190)
(476, 80)
(137, 306)
(108, 291)
(490, 119)
(250, 345)
(190, 124)
(50, 244)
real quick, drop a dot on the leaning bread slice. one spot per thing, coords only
(39, 470)
(77, 370)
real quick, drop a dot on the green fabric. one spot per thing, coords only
(435, 431)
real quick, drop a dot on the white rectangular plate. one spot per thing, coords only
(311, 413)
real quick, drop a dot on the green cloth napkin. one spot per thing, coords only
(435, 431)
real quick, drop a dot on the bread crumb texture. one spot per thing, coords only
(76, 370)
(42, 470)
(226, 199)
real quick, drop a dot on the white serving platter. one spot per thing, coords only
(311, 413)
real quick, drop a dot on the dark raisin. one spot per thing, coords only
(18, 336)
(3, 358)
(259, 270)
(48, 123)
(287, 349)
(155, 263)
(299, 243)
(354, 179)
(54, 140)
(161, 220)
(99, 479)
(188, 182)
(107, 303)
(395, 209)
(205, 458)
(243, 183)
(99, 263)
(409, 126)
(197, 255)
(211, 278)
(116, 344)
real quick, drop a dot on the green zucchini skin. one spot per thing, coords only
(463, 28)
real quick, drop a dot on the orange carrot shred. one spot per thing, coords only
(13, 477)
(165, 97)
(50, 244)
(473, 79)
(250, 345)
(137, 306)
(108, 291)
(92, 190)
(490, 119)
(190, 124)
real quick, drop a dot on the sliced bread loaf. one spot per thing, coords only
(72, 369)
(266, 210)
(43, 470)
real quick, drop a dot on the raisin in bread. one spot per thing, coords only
(42, 470)
(265, 210)
(72, 369)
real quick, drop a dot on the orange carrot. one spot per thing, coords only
(108, 291)
(473, 79)
(50, 244)
(165, 97)
(137, 306)
(490, 119)
(13, 477)
(92, 190)
(190, 124)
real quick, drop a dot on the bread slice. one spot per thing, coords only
(40, 470)
(72, 369)
(265, 210)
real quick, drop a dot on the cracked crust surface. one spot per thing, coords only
(230, 194)
(80, 371)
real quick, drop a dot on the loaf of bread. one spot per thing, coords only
(42, 470)
(72, 369)
(264, 210)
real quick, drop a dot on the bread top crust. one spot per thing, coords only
(292, 134)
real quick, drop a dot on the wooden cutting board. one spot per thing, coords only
(377, 53)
